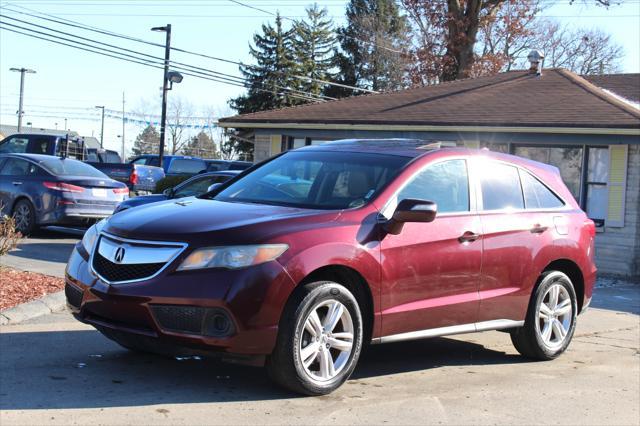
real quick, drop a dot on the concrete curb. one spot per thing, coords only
(53, 302)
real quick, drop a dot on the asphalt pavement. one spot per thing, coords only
(45, 252)
(54, 370)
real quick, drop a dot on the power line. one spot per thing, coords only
(75, 24)
(185, 68)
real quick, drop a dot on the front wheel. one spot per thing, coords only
(319, 339)
(551, 318)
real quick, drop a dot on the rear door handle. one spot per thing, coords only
(468, 237)
(538, 229)
(16, 183)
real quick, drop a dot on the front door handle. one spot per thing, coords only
(468, 237)
(538, 229)
(16, 183)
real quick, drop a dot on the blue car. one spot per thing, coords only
(40, 190)
(197, 185)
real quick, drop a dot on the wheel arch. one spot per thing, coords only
(355, 283)
(572, 270)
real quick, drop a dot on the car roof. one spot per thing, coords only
(401, 147)
(222, 173)
(38, 158)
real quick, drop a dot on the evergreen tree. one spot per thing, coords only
(372, 44)
(314, 46)
(147, 142)
(201, 145)
(273, 54)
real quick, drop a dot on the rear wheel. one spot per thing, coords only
(551, 318)
(25, 217)
(319, 339)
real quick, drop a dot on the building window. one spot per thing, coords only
(568, 160)
(597, 177)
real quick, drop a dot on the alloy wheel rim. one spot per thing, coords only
(327, 340)
(22, 217)
(555, 315)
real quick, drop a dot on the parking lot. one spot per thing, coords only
(76, 376)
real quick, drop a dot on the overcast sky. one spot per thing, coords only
(69, 82)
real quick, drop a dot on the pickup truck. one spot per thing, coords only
(174, 165)
(138, 177)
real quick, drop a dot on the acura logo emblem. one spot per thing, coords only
(119, 256)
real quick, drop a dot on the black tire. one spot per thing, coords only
(285, 365)
(529, 339)
(25, 216)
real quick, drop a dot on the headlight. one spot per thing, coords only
(91, 235)
(232, 257)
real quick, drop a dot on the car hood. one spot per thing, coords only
(203, 221)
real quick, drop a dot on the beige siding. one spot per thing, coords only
(618, 249)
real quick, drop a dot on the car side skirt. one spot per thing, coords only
(499, 324)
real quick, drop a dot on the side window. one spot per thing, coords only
(141, 161)
(500, 187)
(17, 167)
(445, 183)
(196, 187)
(186, 166)
(14, 146)
(39, 146)
(536, 194)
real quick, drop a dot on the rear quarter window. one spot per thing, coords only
(536, 194)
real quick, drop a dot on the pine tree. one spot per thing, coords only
(372, 45)
(272, 73)
(314, 45)
(201, 145)
(147, 142)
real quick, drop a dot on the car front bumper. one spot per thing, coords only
(179, 310)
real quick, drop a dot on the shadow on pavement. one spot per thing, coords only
(50, 252)
(82, 369)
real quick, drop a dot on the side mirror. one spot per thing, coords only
(168, 192)
(410, 210)
(214, 186)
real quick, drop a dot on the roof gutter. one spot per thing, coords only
(429, 128)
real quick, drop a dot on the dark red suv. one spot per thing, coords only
(300, 261)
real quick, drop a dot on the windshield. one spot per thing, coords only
(68, 167)
(316, 180)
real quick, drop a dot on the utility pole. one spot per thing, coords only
(102, 126)
(65, 125)
(122, 148)
(22, 72)
(165, 82)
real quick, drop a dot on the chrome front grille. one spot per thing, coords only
(119, 260)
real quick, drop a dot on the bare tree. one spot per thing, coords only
(582, 51)
(178, 113)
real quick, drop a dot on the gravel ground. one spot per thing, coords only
(18, 287)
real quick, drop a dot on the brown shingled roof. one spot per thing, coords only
(557, 99)
(625, 85)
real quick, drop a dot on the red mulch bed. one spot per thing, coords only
(18, 286)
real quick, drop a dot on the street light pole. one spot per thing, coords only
(22, 72)
(102, 126)
(165, 83)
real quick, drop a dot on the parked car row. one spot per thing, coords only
(44, 182)
(299, 262)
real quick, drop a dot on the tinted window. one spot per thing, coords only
(195, 187)
(17, 167)
(14, 145)
(112, 157)
(186, 166)
(68, 167)
(536, 195)
(446, 183)
(39, 146)
(318, 180)
(500, 187)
